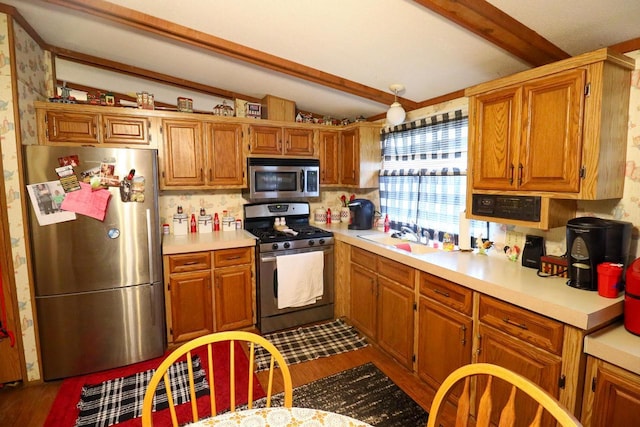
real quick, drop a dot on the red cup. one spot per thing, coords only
(609, 275)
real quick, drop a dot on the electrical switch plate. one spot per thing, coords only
(514, 238)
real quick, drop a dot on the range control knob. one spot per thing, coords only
(287, 245)
(311, 243)
(274, 246)
(321, 241)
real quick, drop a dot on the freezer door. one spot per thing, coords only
(94, 331)
(86, 254)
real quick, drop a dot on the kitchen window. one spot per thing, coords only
(423, 179)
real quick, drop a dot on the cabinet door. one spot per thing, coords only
(183, 157)
(349, 162)
(616, 400)
(395, 320)
(444, 343)
(328, 157)
(77, 128)
(298, 142)
(551, 146)
(130, 130)
(225, 163)
(265, 140)
(363, 307)
(495, 135)
(233, 297)
(539, 366)
(191, 305)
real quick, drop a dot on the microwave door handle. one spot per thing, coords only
(302, 188)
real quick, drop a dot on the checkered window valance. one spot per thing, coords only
(431, 146)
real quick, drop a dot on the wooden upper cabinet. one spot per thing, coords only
(329, 146)
(224, 156)
(277, 141)
(265, 140)
(298, 142)
(551, 146)
(349, 150)
(517, 128)
(559, 130)
(183, 157)
(123, 129)
(72, 127)
(496, 137)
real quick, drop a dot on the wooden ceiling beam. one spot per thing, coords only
(487, 21)
(188, 36)
(142, 73)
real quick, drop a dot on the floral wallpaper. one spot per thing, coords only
(31, 71)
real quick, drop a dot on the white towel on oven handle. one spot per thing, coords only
(300, 278)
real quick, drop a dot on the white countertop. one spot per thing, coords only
(615, 345)
(197, 242)
(506, 280)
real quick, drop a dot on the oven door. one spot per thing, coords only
(268, 277)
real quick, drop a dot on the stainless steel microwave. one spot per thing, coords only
(283, 178)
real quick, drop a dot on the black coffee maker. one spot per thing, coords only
(362, 214)
(591, 241)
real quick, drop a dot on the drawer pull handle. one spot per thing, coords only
(231, 258)
(443, 293)
(516, 324)
(190, 262)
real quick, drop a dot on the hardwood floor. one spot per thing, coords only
(28, 406)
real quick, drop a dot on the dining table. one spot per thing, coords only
(279, 416)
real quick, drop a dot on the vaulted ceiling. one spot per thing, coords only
(332, 57)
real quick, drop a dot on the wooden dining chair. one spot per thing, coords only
(187, 351)
(508, 416)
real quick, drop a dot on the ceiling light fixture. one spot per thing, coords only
(396, 114)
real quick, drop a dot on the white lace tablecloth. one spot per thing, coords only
(276, 417)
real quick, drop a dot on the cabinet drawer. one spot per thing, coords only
(189, 262)
(523, 324)
(364, 258)
(448, 293)
(234, 256)
(396, 271)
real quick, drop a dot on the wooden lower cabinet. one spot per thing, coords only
(233, 288)
(611, 396)
(382, 303)
(209, 291)
(191, 309)
(364, 307)
(442, 331)
(395, 320)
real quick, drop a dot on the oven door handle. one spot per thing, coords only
(268, 259)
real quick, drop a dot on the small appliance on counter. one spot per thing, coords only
(632, 298)
(533, 251)
(362, 214)
(591, 241)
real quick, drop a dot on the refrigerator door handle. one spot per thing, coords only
(150, 247)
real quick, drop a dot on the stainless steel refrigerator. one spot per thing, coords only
(98, 283)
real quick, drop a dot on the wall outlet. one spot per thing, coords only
(514, 238)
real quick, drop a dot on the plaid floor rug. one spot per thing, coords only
(311, 342)
(120, 399)
(364, 393)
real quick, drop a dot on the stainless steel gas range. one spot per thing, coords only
(283, 230)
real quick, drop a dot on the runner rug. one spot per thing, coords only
(364, 393)
(65, 411)
(120, 399)
(311, 342)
